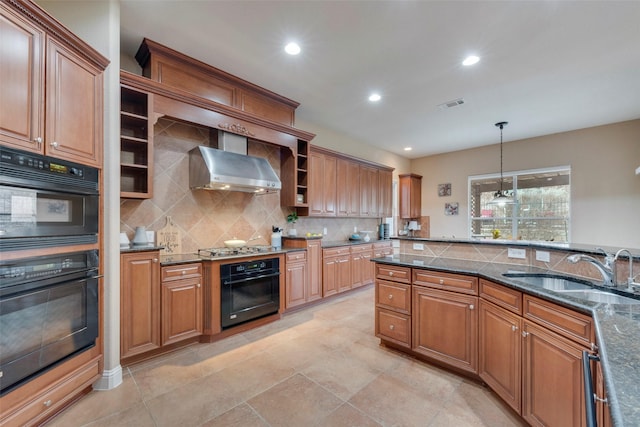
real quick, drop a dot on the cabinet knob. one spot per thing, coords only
(198, 285)
(184, 272)
(155, 260)
(514, 328)
(38, 140)
(47, 403)
(54, 144)
(392, 327)
(525, 334)
(471, 307)
(391, 273)
(390, 296)
(442, 281)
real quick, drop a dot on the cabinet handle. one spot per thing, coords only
(391, 273)
(471, 307)
(392, 327)
(525, 334)
(47, 403)
(54, 144)
(514, 328)
(390, 296)
(155, 260)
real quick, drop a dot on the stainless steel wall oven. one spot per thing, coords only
(249, 290)
(48, 313)
(46, 202)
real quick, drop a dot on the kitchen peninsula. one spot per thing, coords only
(463, 284)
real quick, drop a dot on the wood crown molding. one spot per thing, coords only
(148, 85)
(53, 27)
(340, 155)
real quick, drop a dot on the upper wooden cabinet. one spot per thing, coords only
(55, 106)
(410, 196)
(344, 186)
(179, 71)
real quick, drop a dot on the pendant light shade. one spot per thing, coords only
(501, 197)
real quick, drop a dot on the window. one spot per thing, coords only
(541, 211)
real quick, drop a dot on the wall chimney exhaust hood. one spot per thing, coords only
(230, 168)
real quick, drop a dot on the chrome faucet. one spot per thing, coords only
(631, 285)
(606, 269)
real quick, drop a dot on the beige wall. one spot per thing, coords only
(605, 192)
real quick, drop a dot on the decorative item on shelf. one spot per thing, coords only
(501, 197)
(292, 218)
(140, 238)
(300, 198)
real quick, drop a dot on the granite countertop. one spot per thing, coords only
(336, 243)
(617, 326)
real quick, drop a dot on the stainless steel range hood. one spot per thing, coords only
(230, 168)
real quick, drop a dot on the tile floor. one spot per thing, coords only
(321, 366)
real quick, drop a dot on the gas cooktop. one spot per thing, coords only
(231, 252)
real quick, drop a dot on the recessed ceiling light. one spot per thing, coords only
(470, 60)
(408, 148)
(375, 97)
(292, 48)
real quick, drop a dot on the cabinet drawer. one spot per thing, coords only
(56, 397)
(392, 272)
(360, 248)
(569, 323)
(182, 271)
(393, 296)
(342, 250)
(394, 327)
(296, 256)
(501, 295)
(448, 281)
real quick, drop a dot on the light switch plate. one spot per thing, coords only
(517, 253)
(543, 256)
(418, 246)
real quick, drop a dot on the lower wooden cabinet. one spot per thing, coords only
(499, 352)
(361, 268)
(445, 327)
(296, 279)
(336, 270)
(139, 302)
(552, 379)
(181, 302)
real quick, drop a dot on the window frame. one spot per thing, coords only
(514, 218)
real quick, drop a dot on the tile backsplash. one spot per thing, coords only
(208, 218)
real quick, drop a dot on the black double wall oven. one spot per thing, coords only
(49, 304)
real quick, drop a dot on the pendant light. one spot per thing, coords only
(500, 197)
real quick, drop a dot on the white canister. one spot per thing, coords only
(276, 240)
(140, 238)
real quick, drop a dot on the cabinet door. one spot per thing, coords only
(410, 196)
(368, 268)
(343, 273)
(181, 310)
(357, 269)
(322, 184)
(74, 99)
(385, 193)
(329, 276)
(552, 379)
(368, 191)
(445, 327)
(499, 350)
(348, 190)
(296, 282)
(330, 169)
(139, 303)
(22, 53)
(314, 267)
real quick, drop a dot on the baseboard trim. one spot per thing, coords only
(111, 378)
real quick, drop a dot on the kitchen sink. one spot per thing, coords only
(596, 295)
(554, 283)
(571, 287)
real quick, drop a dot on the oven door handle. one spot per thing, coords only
(250, 279)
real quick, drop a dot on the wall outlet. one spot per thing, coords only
(543, 256)
(517, 253)
(324, 231)
(418, 246)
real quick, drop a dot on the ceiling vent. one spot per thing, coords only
(451, 104)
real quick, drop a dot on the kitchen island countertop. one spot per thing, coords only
(617, 326)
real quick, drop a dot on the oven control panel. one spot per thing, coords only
(26, 270)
